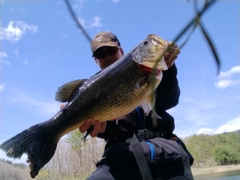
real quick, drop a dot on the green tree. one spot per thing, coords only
(218, 149)
(76, 140)
(224, 155)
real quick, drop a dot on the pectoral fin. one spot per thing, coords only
(148, 106)
(141, 82)
(65, 92)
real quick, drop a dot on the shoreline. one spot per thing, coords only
(215, 170)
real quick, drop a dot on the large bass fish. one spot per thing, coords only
(114, 92)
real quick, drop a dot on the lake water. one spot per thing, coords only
(232, 175)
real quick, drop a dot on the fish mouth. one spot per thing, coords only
(148, 70)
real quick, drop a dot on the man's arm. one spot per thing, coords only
(168, 91)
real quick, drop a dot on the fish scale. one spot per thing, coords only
(114, 92)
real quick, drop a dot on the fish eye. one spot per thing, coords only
(157, 41)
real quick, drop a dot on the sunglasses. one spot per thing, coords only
(99, 54)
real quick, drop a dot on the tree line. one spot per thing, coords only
(13, 171)
(212, 150)
(75, 159)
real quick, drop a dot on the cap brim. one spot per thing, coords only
(108, 44)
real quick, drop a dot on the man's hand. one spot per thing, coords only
(171, 55)
(97, 127)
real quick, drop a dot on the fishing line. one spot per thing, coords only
(77, 22)
(193, 22)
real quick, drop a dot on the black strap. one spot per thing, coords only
(186, 165)
(191, 159)
(137, 150)
(140, 120)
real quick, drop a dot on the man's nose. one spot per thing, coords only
(108, 58)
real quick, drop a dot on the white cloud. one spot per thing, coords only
(231, 125)
(43, 106)
(96, 22)
(16, 52)
(25, 62)
(15, 31)
(226, 79)
(2, 87)
(116, 1)
(2, 54)
(82, 22)
(2, 61)
(205, 131)
(86, 23)
(233, 70)
(223, 83)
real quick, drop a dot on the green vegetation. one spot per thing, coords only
(75, 159)
(76, 141)
(221, 149)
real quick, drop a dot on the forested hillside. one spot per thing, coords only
(212, 150)
(75, 160)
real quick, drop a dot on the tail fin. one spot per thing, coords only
(33, 141)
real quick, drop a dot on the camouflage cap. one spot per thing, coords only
(104, 39)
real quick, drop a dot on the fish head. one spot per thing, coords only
(150, 52)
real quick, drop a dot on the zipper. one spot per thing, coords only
(152, 151)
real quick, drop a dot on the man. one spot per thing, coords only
(118, 160)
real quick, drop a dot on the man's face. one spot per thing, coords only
(106, 55)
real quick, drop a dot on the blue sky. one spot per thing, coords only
(42, 48)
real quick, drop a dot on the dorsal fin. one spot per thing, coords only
(65, 92)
